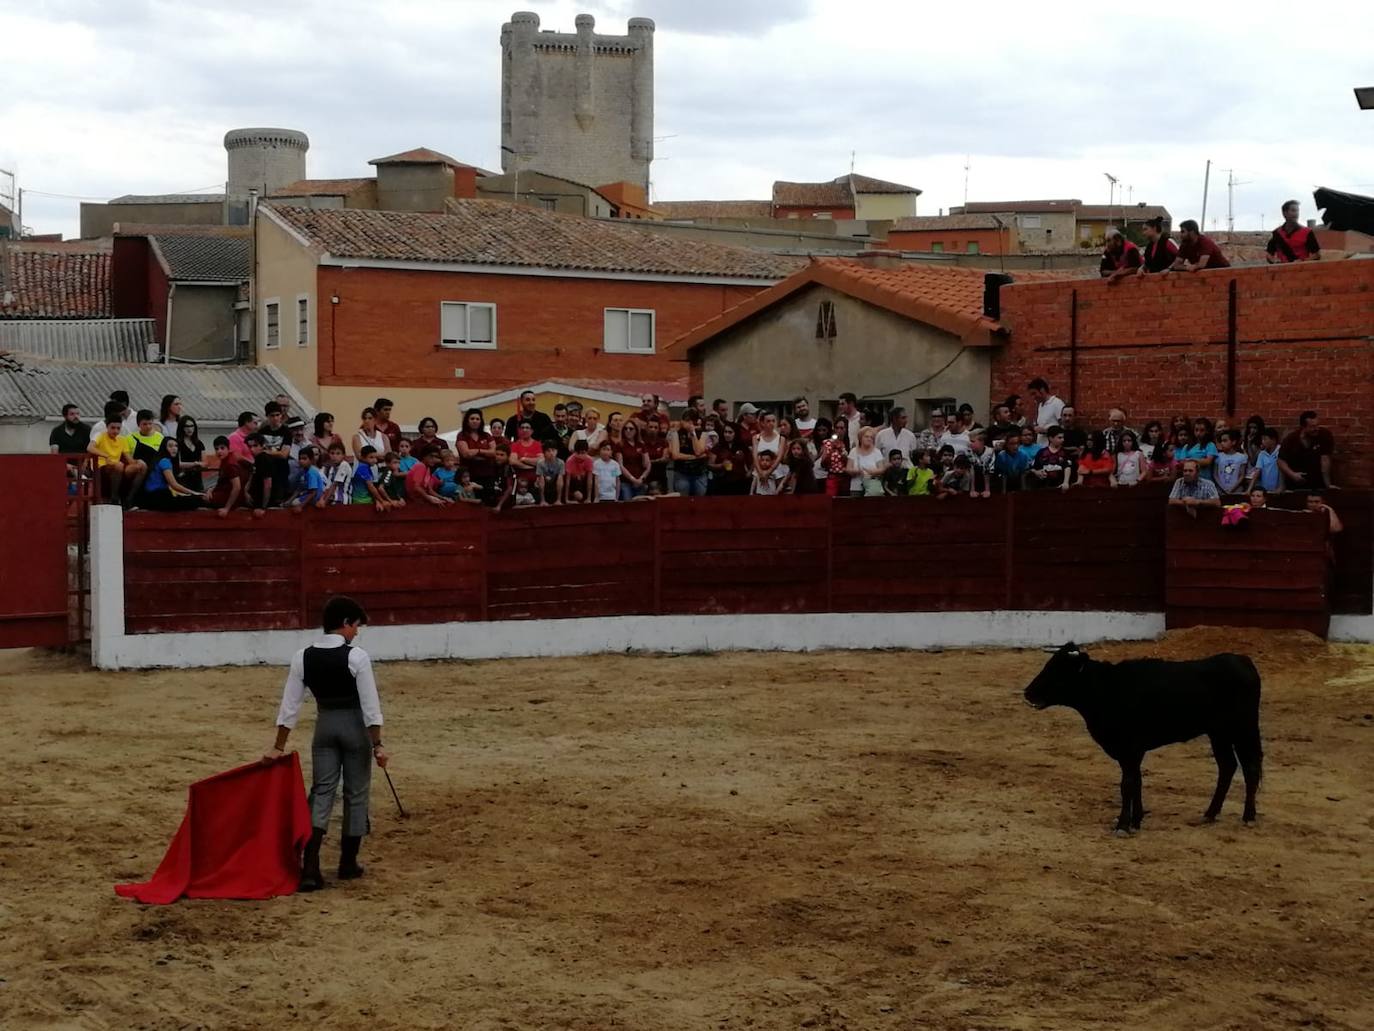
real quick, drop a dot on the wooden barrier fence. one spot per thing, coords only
(1085, 551)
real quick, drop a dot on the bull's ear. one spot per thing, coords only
(1070, 649)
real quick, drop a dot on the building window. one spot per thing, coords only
(629, 331)
(548, 203)
(271, 324)
(825, 321)
(1030, 221)
(1085, 232)
(302, 322)
(467, 324)
(937, 248)
(973, 246)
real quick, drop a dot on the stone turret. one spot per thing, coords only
(578, 104)
(264, 159)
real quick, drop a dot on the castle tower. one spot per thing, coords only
(264, 159)
(577, 104)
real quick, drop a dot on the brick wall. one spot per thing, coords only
(385, 330)
(1158, 347)
(951, 241)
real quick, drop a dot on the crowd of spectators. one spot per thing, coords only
(157, 459)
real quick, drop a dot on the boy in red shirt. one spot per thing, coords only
(234, 473)
(421, 484)
(578, 473)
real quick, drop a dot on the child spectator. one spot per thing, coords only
(980, 458)
(163, 493)
(1051, 465)
(634, 462)
(548, 474)
(143, 447)
(467, 490)
(260, 487)
(295, 428)
(231, 488)
(391, 481)
(834, 459)
(802, 466)
(606, 471)
(446, 475)
(1231, 464)
(920, 478)
(524, 494)
(338, 476)
(1011, 462)
(276, 444)
(404, 457)
(1266, 472)
(1029, 443)
(958, 480)
(365, 490)
(578, 469)
(1259, 498)
(1130, 462)
(945, 457)
(502, 479)
(894, 479)
(1096, 466)
(497, 428)
(311, 489)
(770, 477)
(190, 460)
(1162, 464)
(116, 468)
(421, 485)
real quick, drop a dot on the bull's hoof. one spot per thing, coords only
(1122, 832)
(1249, 821)
(1209, 817)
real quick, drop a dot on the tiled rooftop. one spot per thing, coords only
(481, 232)
(927, 223)
(950, 299)
(56, 280)
(1027, 207)
(714, 208)
(833, 194)
(323, 187)
(205, 258)
(423, 156)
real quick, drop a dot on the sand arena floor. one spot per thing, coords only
(839, 840)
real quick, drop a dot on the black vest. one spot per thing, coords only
(329, 679)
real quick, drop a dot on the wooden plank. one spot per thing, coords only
(180, 623)
(629, 575)
(316, 550)
(558, 561)
(1248, 579)
(1296, 599)
(678, 542)
(355, 578)
(236, 573)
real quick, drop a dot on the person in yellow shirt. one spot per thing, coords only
(114, 461)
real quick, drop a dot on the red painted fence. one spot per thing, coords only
(34, 601)
(1087, 550)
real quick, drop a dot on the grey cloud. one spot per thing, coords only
(717, 17)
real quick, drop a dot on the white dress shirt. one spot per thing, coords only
(905, 442)
(1048, 414)
(358, 664)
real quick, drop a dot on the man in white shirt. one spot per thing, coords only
(896, 437)
(801, 417)
(1049, 408)
(849, 408)
(957, 437)
(348, 733)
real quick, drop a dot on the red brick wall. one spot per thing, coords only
(138, 286)
(1158, 347)
(385, 330)
(953, 241)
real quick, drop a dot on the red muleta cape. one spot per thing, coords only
(241, 838)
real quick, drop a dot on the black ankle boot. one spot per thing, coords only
(311, 878)
(348, 858)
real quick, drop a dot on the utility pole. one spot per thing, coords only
(1206, 182)
(1111, 187)
(967, 161)
(1231, 183)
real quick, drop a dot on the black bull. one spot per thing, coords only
(1135, 706)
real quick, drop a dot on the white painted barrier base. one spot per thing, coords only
(666, 634)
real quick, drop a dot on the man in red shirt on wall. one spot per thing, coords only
(1120, 259)
(1195, 251)
(382, 406)
(1292, 241)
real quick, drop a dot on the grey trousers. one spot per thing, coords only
(341, 749)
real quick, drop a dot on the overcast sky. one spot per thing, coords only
(104, 98)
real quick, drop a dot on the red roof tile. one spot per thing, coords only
(484, 232)
(834, 194)
(1129, 212)
(323, 187)
(57, 280)
(714, 208)
(950, 299)
(867, 184)
(423, 156)
(925, 223)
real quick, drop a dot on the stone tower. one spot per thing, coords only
(264, 159)
(578, 105)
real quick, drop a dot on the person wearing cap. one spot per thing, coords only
(1292, 241)
(748, 419)
(295, 436)
(1121, 258)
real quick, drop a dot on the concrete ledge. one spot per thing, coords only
(663, 634)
